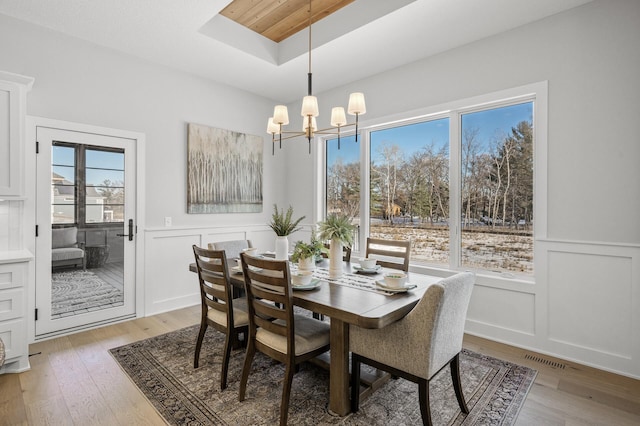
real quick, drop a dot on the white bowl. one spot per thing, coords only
(367, 263)
(395, 279)
(252, 251)
(301, 277)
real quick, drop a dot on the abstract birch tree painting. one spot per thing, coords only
(224, 171)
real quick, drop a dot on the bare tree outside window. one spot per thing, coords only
(410, 193)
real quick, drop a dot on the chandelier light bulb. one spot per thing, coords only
(356, 104)
(272, 128)
(310, 106)
(305, 124)
(337, 117)
(281, 115)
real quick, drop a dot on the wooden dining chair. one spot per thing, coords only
(419, 345)
(219, 309)
(346, 252)
(289, 338)
(392, 254)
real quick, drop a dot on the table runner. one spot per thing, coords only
(352, 280)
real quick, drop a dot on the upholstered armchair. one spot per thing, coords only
(421, 344)
(66, 250)
(233, 248)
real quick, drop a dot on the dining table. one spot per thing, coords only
(352, 299)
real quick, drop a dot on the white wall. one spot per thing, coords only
(81, 82)
(586, 298)
(585, 301)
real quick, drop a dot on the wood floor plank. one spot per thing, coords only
(74, 380)
(12, 408)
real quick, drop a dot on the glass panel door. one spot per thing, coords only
(87, 231)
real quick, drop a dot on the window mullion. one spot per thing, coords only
(365, 185)
(455, 210)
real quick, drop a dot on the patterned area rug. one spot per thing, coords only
(162, 368)
(81, 290)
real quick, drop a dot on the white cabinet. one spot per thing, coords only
(14, 259)
(13, 309)
(13, 96)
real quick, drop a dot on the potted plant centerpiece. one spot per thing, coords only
(283, 224)
(306, 253)
(339, 230)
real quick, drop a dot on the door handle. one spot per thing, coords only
(130, 234)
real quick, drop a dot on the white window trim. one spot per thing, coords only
(537, 92)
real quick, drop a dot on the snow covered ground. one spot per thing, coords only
(485, 250)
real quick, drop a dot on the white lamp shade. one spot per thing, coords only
(281, 115)
(272, 128)
(337, 116)
(305, 124)
(310, 106)
(356, 104)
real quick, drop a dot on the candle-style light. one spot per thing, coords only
(310, 111)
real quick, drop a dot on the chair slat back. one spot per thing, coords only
(215, 286)
(269, 294)
(394, 254)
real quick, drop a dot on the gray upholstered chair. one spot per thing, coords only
(66, 250)
(419, 345)
(219, 309)
(233, 248)
(285, 337)
(393, 254)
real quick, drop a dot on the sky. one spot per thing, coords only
(414, 137)
(101, 165)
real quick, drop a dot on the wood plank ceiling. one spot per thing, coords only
(279, 19)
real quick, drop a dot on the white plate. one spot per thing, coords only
(373, 270)
(315, 283)
(382, 286)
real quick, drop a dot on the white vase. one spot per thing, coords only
(282, 248)
(307, 263)
(335, 259)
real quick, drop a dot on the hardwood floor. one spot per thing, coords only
(74, 381)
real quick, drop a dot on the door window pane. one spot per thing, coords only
(63, 184)
(409, 169)
(497, 189)
(104, 186)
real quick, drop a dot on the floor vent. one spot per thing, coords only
(545, 361)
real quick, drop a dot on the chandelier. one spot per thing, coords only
(309, 113)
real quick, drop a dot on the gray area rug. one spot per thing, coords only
(81, 290)
(162, 368)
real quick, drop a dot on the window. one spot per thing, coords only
(409, 187)
(99, 172)
(458, 183)
(343, 179)
(497, 189)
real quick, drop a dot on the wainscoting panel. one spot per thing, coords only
(169, 284)
(511, 311)
(590, 301)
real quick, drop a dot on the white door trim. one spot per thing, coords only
(32, 123)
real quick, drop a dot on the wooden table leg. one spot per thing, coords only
(339, 372)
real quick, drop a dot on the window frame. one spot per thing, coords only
(80, 186)
(535, 92)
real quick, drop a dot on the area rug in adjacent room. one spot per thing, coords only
(77, 290)
(162, 368)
